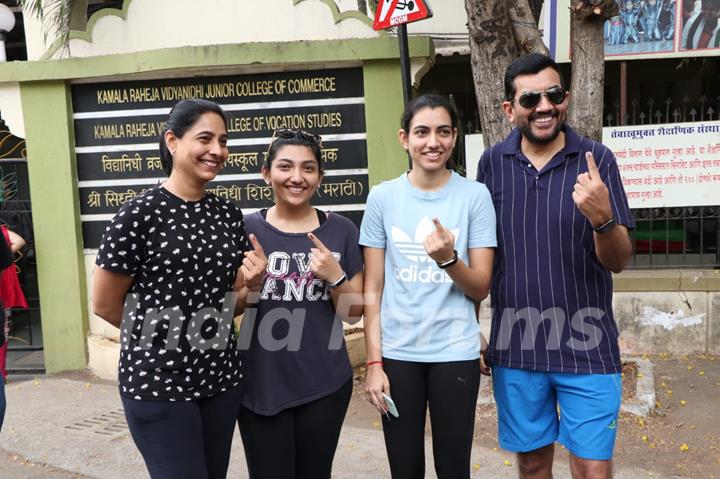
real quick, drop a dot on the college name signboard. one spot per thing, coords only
(117, 128)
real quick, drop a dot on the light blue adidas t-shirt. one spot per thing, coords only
(425, 318)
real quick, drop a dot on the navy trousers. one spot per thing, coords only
(184, 439)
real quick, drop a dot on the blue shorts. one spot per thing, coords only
(535, 409)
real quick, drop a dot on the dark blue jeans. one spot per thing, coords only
(184, 439)
(2, 401)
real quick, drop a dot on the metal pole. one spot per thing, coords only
(404, 62)
(623, 94)
(405, 69)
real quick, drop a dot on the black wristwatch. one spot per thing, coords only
(605, 227)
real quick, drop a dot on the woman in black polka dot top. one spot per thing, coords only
(166, 263)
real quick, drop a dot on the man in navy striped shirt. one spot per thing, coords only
(562, 222)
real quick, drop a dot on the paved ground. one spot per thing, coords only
(74, 423)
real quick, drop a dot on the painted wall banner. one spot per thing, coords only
(117, 127)
(645, 29)
(668, 165)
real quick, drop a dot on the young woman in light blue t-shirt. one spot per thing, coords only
(429, 239)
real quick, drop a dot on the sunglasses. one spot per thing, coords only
(530, 99)
(287, 134)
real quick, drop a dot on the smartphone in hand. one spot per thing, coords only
(392, 409)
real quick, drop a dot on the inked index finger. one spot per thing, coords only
(592, 166)
(316, 241)
(438, 226)
(256, 244)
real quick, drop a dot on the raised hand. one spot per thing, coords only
(591, 195)
(323, 263)
(254, 265)
(440, 244)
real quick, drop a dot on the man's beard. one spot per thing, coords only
(527, 132)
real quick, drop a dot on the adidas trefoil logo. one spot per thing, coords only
(413, 249)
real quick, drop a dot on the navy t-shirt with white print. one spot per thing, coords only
(183, 257)
(297, 353)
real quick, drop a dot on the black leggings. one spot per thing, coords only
(451, 391)
(297, 443)
(189, 439)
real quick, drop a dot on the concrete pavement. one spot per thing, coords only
(75, 423)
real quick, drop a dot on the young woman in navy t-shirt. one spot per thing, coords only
(305, 267)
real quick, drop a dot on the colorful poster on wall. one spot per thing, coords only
(642, 27)
(117, 127)
(668, 165)
(700, 25)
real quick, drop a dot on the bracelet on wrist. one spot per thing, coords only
(370, 363)
(447, 263)
(338, 282)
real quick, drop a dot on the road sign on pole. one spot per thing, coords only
(399, 12)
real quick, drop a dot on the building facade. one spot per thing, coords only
(91, 116)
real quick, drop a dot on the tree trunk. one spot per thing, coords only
(588, 65)
(492, 48)
(525, 28)
(536, 9)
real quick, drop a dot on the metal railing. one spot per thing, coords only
(677, 237)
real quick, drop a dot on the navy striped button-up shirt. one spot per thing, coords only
(551, 296)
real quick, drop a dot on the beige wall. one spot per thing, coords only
(11, 109)
(156, 24)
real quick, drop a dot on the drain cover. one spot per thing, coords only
(110, 425)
